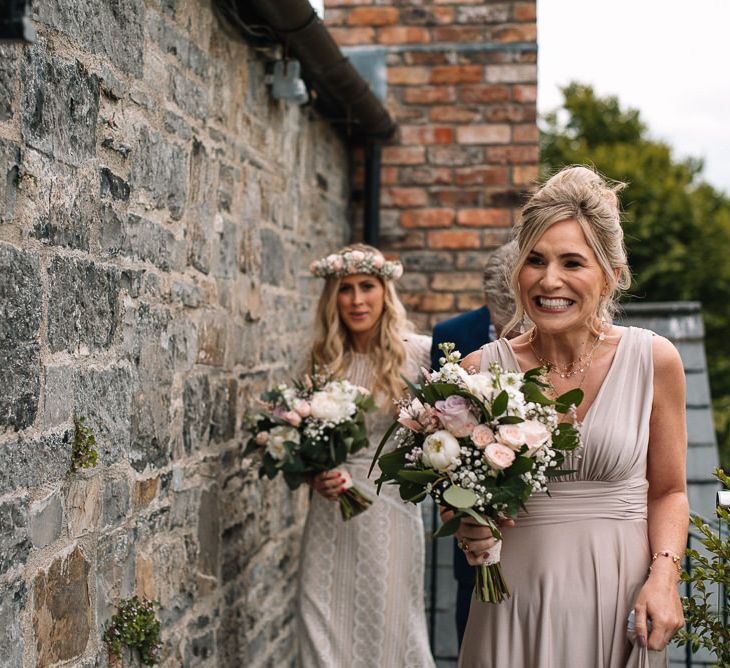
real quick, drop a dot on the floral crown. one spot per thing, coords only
(352, 261)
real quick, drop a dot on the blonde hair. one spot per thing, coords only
(581, 194)
(332, 346)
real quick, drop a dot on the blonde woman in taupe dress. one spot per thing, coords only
(578, 561)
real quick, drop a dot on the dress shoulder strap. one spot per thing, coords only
(500, 352)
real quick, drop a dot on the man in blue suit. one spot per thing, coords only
(470, 331)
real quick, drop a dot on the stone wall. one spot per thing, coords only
(157, 213)
(462, 84)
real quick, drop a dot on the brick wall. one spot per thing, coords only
(461, 81)
(157, 214)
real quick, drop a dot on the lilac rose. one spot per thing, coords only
(455, 415)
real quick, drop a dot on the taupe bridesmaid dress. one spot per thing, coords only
(576, 561)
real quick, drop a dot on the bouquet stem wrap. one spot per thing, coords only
(489, 584)
(352, 501)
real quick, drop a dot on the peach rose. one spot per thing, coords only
(302, 408)
(536, 436)
(511, 435)
(482, 436)
(293, 418)
(498, 456)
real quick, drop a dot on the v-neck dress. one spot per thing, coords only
(576, 560)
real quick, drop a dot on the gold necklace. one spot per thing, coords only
(572, 368)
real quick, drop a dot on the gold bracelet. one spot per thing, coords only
(676, 559)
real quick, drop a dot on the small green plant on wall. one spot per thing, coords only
(135, 625)
(83, 453)
(706, 608)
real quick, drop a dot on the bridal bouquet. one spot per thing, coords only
(480, 445)
(310, 428)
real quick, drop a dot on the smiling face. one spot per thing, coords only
(561, 282)
(360, 302)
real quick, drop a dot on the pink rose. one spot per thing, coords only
(498, 456)
(397, 271)
(378, 261)
(357, 256)
(337, 263)
(293, 418)
(482, 436)
(511, 435)
(455, 415)
(313, 267)
(302, 408)
(536, 436)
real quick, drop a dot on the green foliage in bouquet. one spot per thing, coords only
(83, 452)
(706, 608)
(135, 625)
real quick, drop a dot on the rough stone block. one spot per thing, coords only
(111, 29)
(150, 242)
(116, 501)
(225, 263)
(82, 304)
(13, 601)
(57, 409)
(171, 41)
(9, 173)
(212, 340)
(103, 397)
(14, 540)
(8, 80)
(60, 105)
(187, 95)
(29, 463)
(20, 314)
(115, 572)
(146, 491)
(159, 169)
(46, 520)
(83, 505)
(209, 532)
(197, 413)
(273, 258)
(62, 610)
(224, 413)
(113, 186)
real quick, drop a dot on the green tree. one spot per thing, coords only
(677, 226)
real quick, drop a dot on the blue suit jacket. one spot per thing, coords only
(468, 331)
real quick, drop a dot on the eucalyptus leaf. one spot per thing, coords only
(533, 393)
(423, 477)
(499, 405)
(476, 516)
(458, 497)
(449, 527)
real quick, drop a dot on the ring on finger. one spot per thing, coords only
(465, 546)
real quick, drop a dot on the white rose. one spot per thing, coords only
(331, 407)
(439, 450)
(277, 437)
(480, 385)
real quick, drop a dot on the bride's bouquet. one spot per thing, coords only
(310, 428)
(480, 445)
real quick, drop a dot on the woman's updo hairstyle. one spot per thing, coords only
(581, 194)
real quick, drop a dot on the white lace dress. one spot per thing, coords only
(361, 601)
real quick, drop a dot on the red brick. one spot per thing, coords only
(488, 176)
(457, 197)
(454, 239)
(524, 11)
(453, 281)
(425, 175)
(350, 36)
(526, 32)
(525, 134)
(430, 58)
(410, 114)
(524, 93)
(425, 134)
(345, 3)
(404, 197)
(484, 217)
(336, 17)
(429, 94)
(483, 93)
(388, 175)
(404, 155)
(511, 113)
(373, 16)
(525, 175)
(409, 76)
(458, 2)
(404, 35)
(404, 241)
(483, 134)
(513, 155)
(462, 34)
(431, 302)
(427, 218)
(469, 302)
(457, 74)
(453, 115)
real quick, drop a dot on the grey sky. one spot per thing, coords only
(668, 58)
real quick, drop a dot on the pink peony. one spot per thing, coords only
(498, 456)
(482, 436)
(455, 415)
(511, 435)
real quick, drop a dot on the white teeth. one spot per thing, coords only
(554, 303)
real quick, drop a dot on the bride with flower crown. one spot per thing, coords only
(360, 597)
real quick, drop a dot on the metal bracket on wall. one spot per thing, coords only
(14, 22)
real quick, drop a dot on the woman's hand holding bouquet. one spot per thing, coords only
(479, 445)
